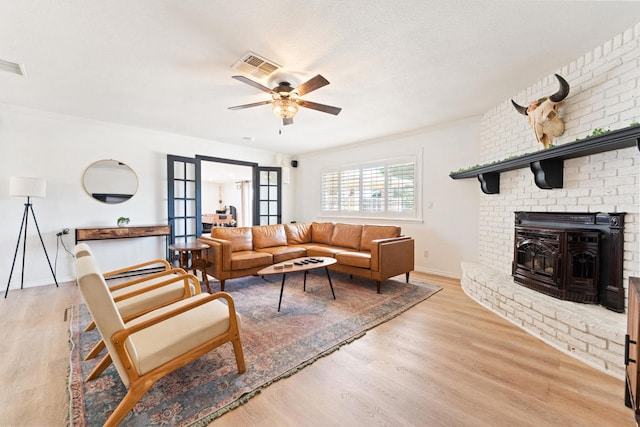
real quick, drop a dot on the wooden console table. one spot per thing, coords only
(110, 233)
(104, 233)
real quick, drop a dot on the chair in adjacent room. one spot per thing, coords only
(159, 342)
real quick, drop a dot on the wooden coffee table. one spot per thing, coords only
(299, 264)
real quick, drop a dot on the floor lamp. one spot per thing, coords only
(27, 187)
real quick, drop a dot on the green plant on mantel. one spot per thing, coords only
(488, 164)
(596, 132)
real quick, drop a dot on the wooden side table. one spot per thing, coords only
(192, 251)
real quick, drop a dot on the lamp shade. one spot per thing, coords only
(284, 107)
(28, 187)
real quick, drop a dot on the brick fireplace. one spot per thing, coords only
(605, 94)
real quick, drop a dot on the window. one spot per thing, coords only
(386, 188)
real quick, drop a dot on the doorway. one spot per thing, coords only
(227, 192)
(223, 188)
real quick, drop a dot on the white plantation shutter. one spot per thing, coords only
(373, 189)
(330, 190)
(380, 189)
(350, 190)
(401, 188)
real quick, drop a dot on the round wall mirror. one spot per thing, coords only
(110, 181)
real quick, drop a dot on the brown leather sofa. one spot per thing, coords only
(371, 251)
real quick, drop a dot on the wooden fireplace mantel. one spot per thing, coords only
(547, 165)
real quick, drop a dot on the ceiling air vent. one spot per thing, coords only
(12, 67)
(256, 66)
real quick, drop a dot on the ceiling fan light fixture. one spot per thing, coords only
(284, 107)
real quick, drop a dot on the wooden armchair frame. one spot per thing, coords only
(140, 384)
(106, 360)
(132, 268)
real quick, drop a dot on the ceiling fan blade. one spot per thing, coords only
(320, 107)
(255, 104)
(252, 83)
(315, 83)
(287, 121)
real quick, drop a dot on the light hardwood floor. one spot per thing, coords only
(446, 362)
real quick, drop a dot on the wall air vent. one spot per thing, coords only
(256, 66)
(12, 67)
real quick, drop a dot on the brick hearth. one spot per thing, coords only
(587, 332)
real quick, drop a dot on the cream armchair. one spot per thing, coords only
(159, 342)
(144, 294)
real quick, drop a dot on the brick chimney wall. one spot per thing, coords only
(605, 93)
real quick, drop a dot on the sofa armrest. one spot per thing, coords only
(393, 254)
(218, 256)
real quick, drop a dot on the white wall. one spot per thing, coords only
(449, 227)
(59, 148)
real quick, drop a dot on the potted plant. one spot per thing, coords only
(123, 221)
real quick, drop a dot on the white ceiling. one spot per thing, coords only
(394, 66)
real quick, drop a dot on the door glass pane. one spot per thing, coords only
(191, 171)
(178, 170)
(191, 190)
(179, 227)
(273, 193)
(178, 189)
(179, 208)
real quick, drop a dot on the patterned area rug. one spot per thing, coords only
(309, 325)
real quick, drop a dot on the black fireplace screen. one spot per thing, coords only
(575, 257)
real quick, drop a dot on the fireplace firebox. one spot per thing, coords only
(571, 256)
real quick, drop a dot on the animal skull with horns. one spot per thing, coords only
(543, 114)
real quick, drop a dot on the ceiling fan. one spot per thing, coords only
(286, 99)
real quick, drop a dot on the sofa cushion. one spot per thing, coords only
(298, 233)
(267, 236)
(321, 232)
(241, 238)
(375, 232)
(347, 235)
(285, 253)
(354, 259)
(324, 250)
(250, 259)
